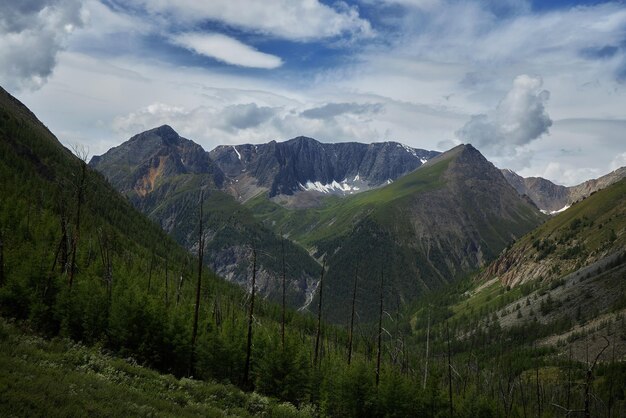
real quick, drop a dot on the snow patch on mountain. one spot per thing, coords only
(554, 212)
(238, 155)
(334, 186)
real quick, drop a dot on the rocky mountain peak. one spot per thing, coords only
(148, 158)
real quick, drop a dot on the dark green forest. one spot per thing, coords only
(79, 265)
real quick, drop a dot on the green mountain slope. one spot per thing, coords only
(585, 233)
(560, 287)
(424, 230)
(162, 175)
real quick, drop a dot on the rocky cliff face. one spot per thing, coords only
(304, 164)
(553, 198)
(137, 167)
(164, 174)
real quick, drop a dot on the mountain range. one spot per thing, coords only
(437, 216)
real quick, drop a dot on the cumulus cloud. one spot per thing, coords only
(330, 110)
(226, 49)
(296, 20)
(519, 118)
(32, 33)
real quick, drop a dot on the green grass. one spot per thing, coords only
(60, 378)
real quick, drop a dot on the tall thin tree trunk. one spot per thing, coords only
(166, 280)
(194, 333)
(569, 378)
(150, 271)
(319, 315)
(521, 389)
(449, 372)
(351, 335)
(282, 322)
(610, 406)
(538, 391)
(380, 330)
(427, 353)
(246, 369)
(79, 204)
(1, 259)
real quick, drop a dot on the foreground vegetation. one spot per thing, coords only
(61, 378)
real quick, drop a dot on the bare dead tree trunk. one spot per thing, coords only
(589, 378)
(246, 369)
(610, 406)
(105, 256)
(538, 391)
(1, 259)
(282, 322)
(427, 347)
(351, 335)
(179, 289)
(194, 333)
(217, 311)
(521, 389)
(150, 271)
(79, 203)
(166, 280)
(380, 330)
(569, 378)
(319, 315)
(449, 372)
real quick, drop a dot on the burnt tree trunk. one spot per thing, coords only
(79, 203)
(194, 332)
(449, 373)
(282, 322)
(246, 369)
(319, 316)
(351, 335)
(1, 259)
(380, 330)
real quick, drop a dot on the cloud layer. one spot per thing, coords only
(31, 34)
(519, 118)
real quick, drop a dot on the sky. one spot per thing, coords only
(538, 87)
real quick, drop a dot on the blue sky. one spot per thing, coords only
(537, 86)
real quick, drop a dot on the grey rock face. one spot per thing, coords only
(158, 153)
(550, 197)
(305, 164)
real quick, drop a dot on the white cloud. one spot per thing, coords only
(619, 161)
(31, 35)
(519, 118)
(570, 175)
(226, 49)
(297, 20)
